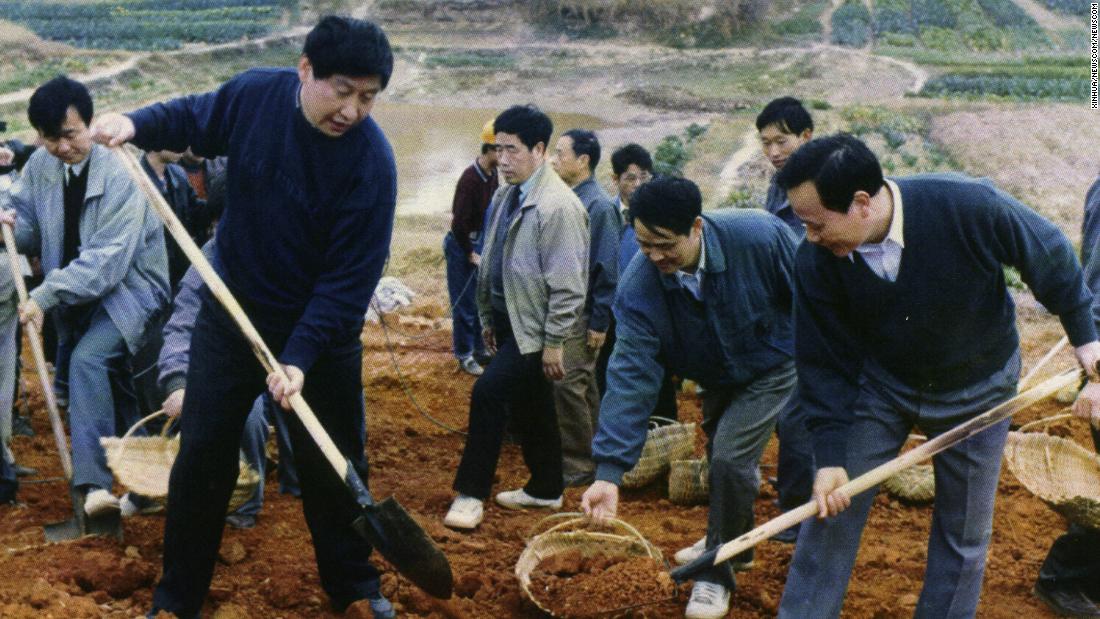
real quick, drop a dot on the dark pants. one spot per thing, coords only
(223, 380)
(795, 467)
(1074, 559)
(512, 384)
(462, 287)
(666, 399)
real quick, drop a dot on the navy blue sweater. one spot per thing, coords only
(947, 321)
(308, 218)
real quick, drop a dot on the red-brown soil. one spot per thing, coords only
(414, 460)
(570, 584)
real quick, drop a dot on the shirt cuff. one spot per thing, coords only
(610, 472)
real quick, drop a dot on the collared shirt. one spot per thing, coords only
(693, 282)
(75, 169)
(624, 212)
(884, 258)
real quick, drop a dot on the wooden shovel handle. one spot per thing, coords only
(881, 473)
(225, 297)
(35, 339)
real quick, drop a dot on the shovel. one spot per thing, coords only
(880, 473)
(109, 524)
(386, 525)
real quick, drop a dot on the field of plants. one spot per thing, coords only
(146, 24)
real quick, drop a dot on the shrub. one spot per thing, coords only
(851, 24)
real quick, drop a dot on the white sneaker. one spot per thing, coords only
(691, 553)
(518, 499)
(470, 366)
(709, 600)
(466, 513)
(100, 501)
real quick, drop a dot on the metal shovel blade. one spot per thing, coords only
(107, 525)
(394, 533)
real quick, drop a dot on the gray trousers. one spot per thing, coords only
(738, 422)
(962, 518)
(577, 401)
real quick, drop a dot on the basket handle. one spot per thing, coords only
(121, 449)
(1060, 416)
(577, 518)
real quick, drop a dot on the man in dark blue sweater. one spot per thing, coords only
(903, 319)
(310, 198)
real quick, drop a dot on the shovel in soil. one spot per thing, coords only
(386, 525)
(879, 474)
(80, 524)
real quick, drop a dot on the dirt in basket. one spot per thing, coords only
(572, 585)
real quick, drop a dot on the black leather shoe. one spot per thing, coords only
(1066, 602)
(240, 521)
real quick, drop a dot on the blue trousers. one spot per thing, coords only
(96, 375)
(254, 449)
(223, 381)
(462, 287)
(795, 467)
(962, 519)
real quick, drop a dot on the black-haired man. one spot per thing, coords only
(903, 318)
(105, 270)
(531, 290)
(576, 396)
(783, 126)
(310, 199)
(710, 299)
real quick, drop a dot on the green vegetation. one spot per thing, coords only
(145, 24)
(674, 151)
(851, 24)
(956, 26)
(898, 137)
(1059, 78)
(1070, 7)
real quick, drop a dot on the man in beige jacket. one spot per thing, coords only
(531, 290)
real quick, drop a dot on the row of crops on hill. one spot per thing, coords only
(1051, 78)
(948, 25)
(145, 24)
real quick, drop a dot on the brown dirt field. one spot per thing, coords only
(414, 460)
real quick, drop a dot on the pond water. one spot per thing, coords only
(435, 144)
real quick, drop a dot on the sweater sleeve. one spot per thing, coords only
(356, 253)
(604, 263)
(826, 358)
(201, 122)
(634, 377)
(464, 209)
(175, 352)
(1046, 261)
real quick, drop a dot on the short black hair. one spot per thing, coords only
(50, 104)
(667, 202)
(527, 122)
(348, 46)
(585, 143)
(487, 147)
(839, 165)
(787, 114)
(630, 154)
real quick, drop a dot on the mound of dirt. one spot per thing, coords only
(572, 585)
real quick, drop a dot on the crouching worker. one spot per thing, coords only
(106, 273)
(710, 299)
(903, 319)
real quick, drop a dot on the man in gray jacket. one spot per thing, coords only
(577, 397)
(531, 290)
(105, 267)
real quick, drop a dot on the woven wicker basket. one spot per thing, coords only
(573, 533)
(916, 484)
(663, 444)
(1060, 472)
(143, 463)
(689, 482)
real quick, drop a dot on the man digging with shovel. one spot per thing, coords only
(311, 193)
(902, 319)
